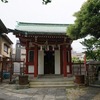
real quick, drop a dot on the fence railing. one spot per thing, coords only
(78, 69)
(90, 71)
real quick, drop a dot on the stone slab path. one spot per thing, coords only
(34, 94)
(7, 92)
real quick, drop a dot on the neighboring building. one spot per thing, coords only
(19, 52)
(5, 50)
(80, 56)
(48, 48)
(3, 28)
(5, 44)
(19, 58)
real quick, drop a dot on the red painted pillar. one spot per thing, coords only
(27, 49)
(70, 58)
(64, 61)
(35, 61)
(61, 60)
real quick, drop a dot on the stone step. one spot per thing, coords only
(42, 86)
(51, 79)
(50, 83)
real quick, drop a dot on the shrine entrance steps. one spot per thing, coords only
(51, 81)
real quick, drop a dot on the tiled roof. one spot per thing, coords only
(41, 28)
(3, 28)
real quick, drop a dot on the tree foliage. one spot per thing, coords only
(87, 21)
(92, 47)
(76, 60)
(4, 1)
(44, 1)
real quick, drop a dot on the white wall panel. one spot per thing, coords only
(31, 69)
(40, 62)
(57, 61)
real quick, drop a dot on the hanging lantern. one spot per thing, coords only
(41, 48)
(53, 47)
(31, 44)
(56, 47)
(47, 48)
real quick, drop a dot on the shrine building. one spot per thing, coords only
(48, 48)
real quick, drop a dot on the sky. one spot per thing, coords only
(58, 11)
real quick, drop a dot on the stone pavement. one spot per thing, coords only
(7, 93)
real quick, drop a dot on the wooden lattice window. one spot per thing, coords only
(31, 56)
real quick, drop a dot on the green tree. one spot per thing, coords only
(87, 21)
(75, 59)
(4, 1)
(92, 47)
(44, 1)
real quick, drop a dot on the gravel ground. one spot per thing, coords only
(86, 93)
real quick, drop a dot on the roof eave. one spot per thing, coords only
(39, 33)
(7, 38)
(3, 28)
